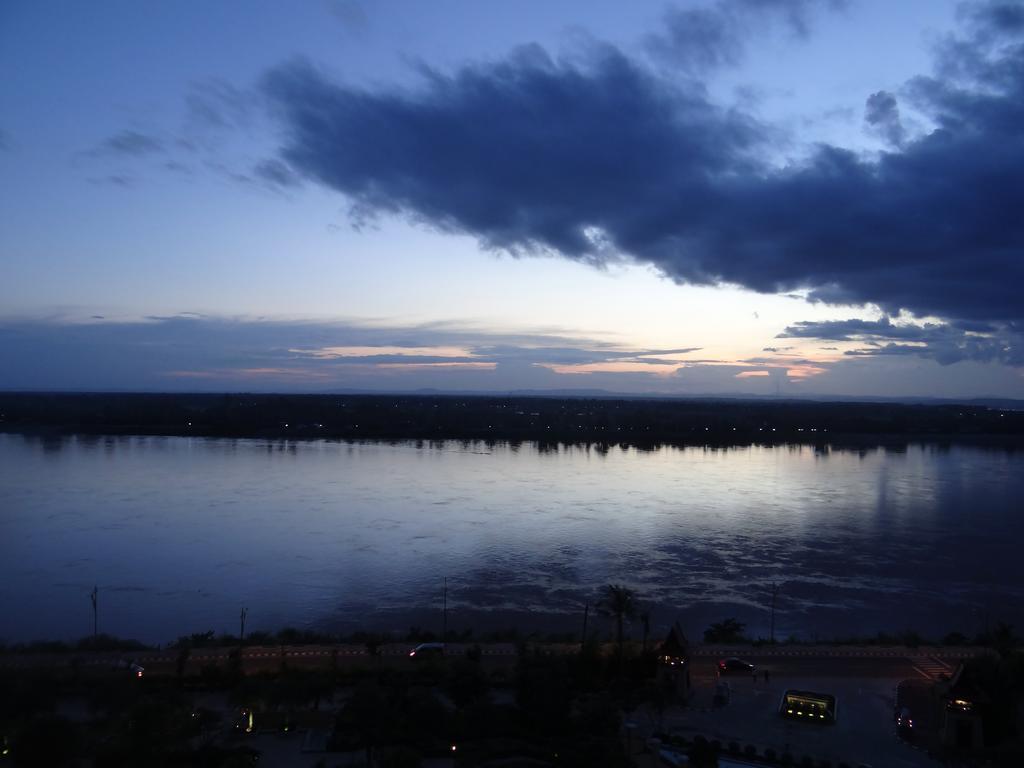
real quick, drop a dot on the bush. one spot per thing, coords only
(734, 748)
(702, 754)
(770, 755)
(807, 762)
(911, 639)
(787, 758)
(750, 750)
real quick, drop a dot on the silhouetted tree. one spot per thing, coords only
(1001, 639)
(620, 603)
(726, 631)
(645, 622)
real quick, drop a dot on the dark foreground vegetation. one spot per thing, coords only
(601, 421)
(584, 708)
(550, 710)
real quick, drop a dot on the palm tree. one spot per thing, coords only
(621, 603)
(645, 621)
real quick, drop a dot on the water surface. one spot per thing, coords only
(180, 533)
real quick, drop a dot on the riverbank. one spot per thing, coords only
(515, 419)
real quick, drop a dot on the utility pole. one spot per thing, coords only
(775, 592)
(583, 639)
(444, 609)
(93, 596)
(241, 632)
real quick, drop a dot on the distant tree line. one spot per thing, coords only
(601, 422)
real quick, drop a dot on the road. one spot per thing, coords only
(782, 662)
(783, 668)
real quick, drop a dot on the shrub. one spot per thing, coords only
(734, 748)
(750, 750)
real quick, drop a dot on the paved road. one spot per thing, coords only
(806, 661)
(826, 666)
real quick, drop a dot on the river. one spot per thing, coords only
(178, 534)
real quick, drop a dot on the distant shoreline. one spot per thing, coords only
(543, 421)
(843, 442)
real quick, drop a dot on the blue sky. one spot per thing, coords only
(742, 196)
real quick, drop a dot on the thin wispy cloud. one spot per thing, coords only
(130, 143)
(185, 352)
(701, 39)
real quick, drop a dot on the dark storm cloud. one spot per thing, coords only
(996, 18)
(882, 113)
(857, 329)
(596, 158)
(701, 39)
(945, 343)
(529, 154)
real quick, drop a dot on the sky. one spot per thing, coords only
(764, 197)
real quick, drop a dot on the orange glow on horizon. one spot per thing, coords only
(804, 371)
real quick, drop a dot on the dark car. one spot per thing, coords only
(733, 666)
(427, 651)
(904, 722)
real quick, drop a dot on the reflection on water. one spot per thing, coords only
(180, 533)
